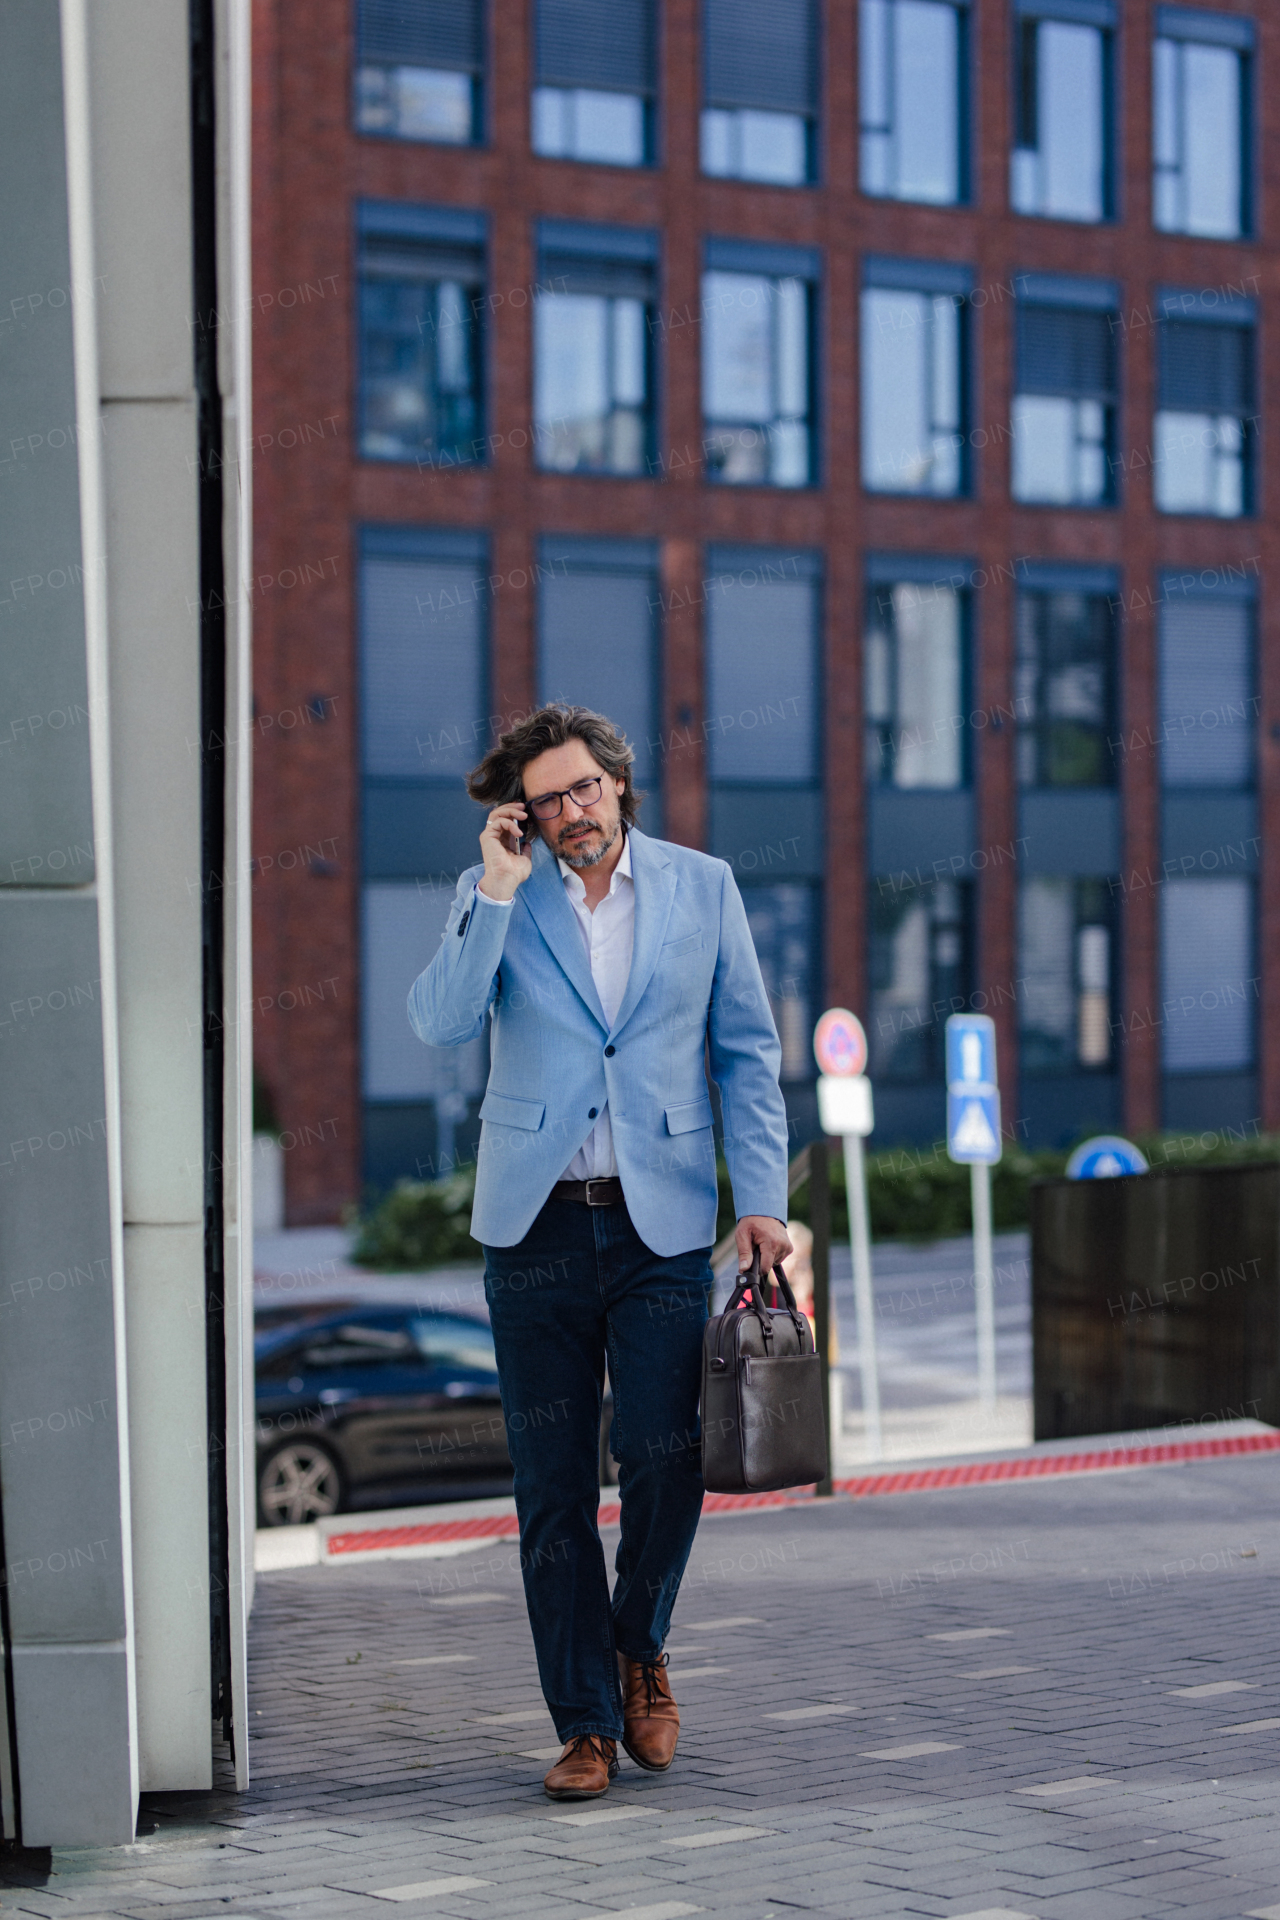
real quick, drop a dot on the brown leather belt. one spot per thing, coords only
(592, 1193)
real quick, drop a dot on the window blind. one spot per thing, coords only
(596, 43)
(422, 659)
(1065, 350)
(1206, 693)
(761, 53)
(596, 648)
(1205, 369)
(1206, 931)
(762, 671)
(421, 33)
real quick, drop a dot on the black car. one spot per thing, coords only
(367, 1406)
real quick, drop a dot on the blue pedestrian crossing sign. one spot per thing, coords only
(973, 1095)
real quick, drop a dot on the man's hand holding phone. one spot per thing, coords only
(503, 843)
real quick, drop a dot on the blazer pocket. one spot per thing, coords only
(674, 948)
(509, 1112)
(689, 1117)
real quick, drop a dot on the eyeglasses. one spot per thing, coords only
(548, 806)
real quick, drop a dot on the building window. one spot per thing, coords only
(913, 377)
(1208, 703)
(783, 919)
(913, 663)
(1065, 680)
(422, 655)
(593, 381)
(1205, 425)
(590, 588)
(911, 84)
(1061, 162)
(594, 97)
(757, 364)
(1065, 940)
(418, 69)
(1064, 409)
(759, 119)
(1210, 984)
(1200, 123)
(921, 971)
(421, 277)
(762, 628)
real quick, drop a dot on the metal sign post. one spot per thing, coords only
(973, 1139)
(845, 1108)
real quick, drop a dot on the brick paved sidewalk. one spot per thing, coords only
(1057, 1698)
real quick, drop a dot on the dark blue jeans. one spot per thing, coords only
(579, 1285)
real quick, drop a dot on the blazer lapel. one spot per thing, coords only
(544, 895)
(654, 880)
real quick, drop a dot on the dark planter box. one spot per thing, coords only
(1156, 1299)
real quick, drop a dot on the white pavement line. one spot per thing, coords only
(428, 1889)
(913, 1750)
(435, 1660)
(508, 1719)
(665, 1910)
(598, 1815)
(973, 1633)
(276, 1549)
(1211, 1688)
(998, 1913)
(1251, 1726)
(1265, 1913)
(1080, 1783)
(693, 1673)
(996, 1673)
(810, 1713)
(723, 1839)
(714, 1626)
(467, 1599)
(542, 1753)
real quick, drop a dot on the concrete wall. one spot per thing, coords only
(104, 1432)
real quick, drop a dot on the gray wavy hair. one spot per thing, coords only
(499, 775)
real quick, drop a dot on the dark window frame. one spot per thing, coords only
(1042, 582)
(1028, 16)
(481, 131)
(592, 251)
(1197, 27)
(777, 262)
(415, 224)
(1189, 308)
(879, 590)
(649, 95)
(965, 108)
(1068, 293)
(812, 116)
(1106, 913)
(931, 1070)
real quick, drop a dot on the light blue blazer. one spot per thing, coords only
(694, 992)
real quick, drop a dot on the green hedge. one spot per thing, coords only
(914, 1194)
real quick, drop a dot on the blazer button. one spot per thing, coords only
(609, 1052)
(592, 1112)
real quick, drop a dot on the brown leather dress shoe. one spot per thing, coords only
(584, 1769)
(650, 1716)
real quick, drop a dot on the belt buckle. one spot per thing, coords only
(602, 1181)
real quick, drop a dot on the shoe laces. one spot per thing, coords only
(593, 1742)
(649, 1673)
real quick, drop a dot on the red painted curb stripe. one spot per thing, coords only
(978, 1472)
(923, 1480)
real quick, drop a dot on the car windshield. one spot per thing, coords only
(447, 1341)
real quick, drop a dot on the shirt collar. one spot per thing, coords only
(622, 871)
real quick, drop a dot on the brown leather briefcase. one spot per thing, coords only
(763, 1425)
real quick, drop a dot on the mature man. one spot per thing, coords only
(612, 967)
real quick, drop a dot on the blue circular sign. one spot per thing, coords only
(1105, 1157)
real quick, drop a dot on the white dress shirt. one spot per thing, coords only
(607, 937)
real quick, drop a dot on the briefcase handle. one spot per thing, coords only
(751, 1278)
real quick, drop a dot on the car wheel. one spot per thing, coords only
(298, 1481)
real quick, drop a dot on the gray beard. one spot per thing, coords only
(577, 860)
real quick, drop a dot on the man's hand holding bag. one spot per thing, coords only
(763, 1423)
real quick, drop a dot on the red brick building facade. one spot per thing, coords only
(316, 489)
